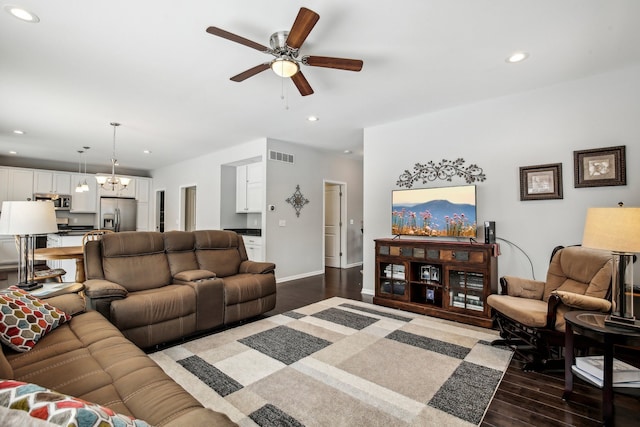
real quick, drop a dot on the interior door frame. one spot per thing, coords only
(182, 220)
(343, 221)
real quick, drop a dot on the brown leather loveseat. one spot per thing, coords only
(158, 287)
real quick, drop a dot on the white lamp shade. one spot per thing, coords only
(613, 229)
(102, 179)
(284, 67)
(20, 218)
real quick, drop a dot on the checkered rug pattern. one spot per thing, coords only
(340, 362)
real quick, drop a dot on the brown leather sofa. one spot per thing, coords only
(159, 287)
(88, 358)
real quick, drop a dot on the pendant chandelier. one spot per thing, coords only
(112, 182)
(82, 186)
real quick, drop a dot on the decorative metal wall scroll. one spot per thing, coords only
(445, 170)
(297, 200)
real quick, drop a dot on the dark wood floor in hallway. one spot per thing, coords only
(522, 399)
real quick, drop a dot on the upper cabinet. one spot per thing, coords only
(84, 202)
(19, 184)
(249, 188)
(51, 182)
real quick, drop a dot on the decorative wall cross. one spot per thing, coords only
(297, 200)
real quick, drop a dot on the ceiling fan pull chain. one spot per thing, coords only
(284, 94)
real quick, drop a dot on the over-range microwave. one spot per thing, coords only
(61, 202)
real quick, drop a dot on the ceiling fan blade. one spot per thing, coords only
(302, 84)
(329, 62)
(236, 38)
(302, 26)
(250, 72)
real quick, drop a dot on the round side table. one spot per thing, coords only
(591, 325)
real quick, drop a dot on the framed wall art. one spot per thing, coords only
(541, 182)
(600, 167)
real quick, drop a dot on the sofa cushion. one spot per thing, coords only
(180, 247)
(580, 270)
(156, 315)
(217, 251)
(60, 409)
(135, 260)
(530, 312)
(24, 319)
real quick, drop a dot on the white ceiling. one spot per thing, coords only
(151, 66)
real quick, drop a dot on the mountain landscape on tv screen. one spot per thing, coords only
(435, 218)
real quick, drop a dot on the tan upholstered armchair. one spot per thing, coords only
(530, 313)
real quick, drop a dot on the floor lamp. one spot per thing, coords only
(25, 220)
(617, 230)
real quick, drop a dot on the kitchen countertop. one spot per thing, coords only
(247, 231)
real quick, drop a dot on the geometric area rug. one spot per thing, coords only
(340, 362)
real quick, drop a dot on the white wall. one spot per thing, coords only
(297, 248)
(500, 135)
(205, 173)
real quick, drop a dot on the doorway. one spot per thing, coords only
(189, 208)
(334, 231)
(160, 211)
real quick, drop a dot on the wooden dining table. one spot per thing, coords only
(64, 252)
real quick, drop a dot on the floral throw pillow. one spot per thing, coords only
(24, 319)
(60, 409)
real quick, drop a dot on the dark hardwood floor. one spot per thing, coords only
(522, 399)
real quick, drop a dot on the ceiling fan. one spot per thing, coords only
(285, 46)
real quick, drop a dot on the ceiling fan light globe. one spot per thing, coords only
(284, 67)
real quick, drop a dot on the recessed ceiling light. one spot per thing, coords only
(22, 14)
(347, 151)
(18, 132)
(517, 57)
(313, 118)
(147, 151)
(13, 152)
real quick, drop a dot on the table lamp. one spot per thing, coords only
(616, 230)
(25, 220)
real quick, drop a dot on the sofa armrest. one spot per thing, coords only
(583, 302)
(98, 288)
(520, 287)
(193, 275)
(256, 267)
(71, 304)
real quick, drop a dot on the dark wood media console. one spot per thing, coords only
(449, 279)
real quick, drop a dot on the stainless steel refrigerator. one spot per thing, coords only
(118, 213)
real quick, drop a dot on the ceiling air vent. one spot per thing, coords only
(280, 157)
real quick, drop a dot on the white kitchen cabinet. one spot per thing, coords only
(51, 182)
(253, 246)
(249, 188)
(85, 202)
(142, 216)
(143, 188)
(8, 251)
(4, 185)
(19, 184)
(129, 191)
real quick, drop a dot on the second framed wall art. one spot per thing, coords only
(600, 167)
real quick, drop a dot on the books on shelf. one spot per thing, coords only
(598, 382)
(622, 372)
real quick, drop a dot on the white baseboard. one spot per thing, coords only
(367, 292)
(355, 264)
(299, 276)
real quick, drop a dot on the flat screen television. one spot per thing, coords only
(434, 212)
